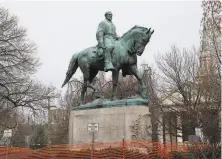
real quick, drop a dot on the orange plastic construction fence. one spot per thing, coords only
(11, 150)
(133, 149)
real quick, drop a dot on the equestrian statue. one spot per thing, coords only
(112, 53)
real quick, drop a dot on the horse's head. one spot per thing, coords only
(141, 39)
(136, 39)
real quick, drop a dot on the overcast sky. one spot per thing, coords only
(61, 29)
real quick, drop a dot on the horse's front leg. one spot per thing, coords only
(143, 89)
(115, 76)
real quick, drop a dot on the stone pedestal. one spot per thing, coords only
(130, 121)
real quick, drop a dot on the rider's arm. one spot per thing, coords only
(116, 36)
(100, 34)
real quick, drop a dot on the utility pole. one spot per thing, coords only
(48, 108)
(93, 141)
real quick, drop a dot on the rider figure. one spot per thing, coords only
(106, 37)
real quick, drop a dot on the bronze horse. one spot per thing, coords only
(124, 57)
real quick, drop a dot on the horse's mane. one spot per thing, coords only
(135, 27)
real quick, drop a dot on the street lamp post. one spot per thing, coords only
(48, 108)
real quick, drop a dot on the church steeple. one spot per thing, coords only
(210, 41)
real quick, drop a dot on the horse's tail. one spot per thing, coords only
(73, 65)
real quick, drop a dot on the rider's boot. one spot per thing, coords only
(108, 61)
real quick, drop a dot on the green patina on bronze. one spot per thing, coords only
(111, 53)
(101, 103)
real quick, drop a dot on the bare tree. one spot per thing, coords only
(59, 122)
(189, 81)
(181, 92)
(18, 62)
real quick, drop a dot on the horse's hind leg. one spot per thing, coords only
(87, 81)
(85, 70)
(115, 76)
(96, 93)
(84, 88)
(87, 84)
